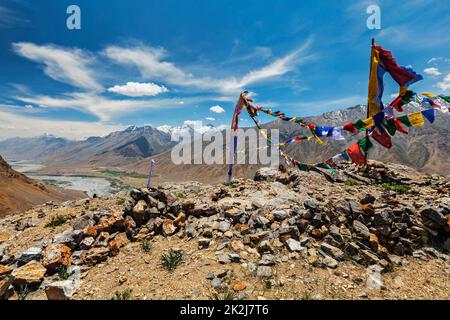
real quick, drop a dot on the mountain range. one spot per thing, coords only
(425, 148)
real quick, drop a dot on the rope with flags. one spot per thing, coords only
(380, 125)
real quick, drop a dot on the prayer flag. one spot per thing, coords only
(354, 152)
(405, 120)
(429, 114)
(365, 144)
(416, 119)
(382, 137)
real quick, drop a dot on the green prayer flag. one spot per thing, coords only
(405, 120)
(365, 144)
(302, 166)
(408, 97)
(360, 125)
(390, 126)
(446, 98)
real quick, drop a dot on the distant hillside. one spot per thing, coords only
(114, 149)
(18, 192)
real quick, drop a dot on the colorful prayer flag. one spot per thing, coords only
(365, 144)
(416, 119)
(350, 127)
(354, 152)
(360, 125)
(390, 126)
(369, 122)
(429, 114)
(405, 120)
(382, 137)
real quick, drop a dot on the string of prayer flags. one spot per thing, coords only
(416, 119)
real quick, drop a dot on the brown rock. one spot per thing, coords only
(316, 233)
(30, 274)
(4, 270)
(112, 223)
(55, 256)
(90, 231)
(95, 255)
(5, 236)
(121, 240)
(237, 245)
(239, 286)
(4, 285)
(113, 248)
(168, 227)
(373, 241)
(242, 228)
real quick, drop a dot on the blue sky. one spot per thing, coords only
(140, 62)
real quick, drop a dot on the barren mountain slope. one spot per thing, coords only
(18, 192)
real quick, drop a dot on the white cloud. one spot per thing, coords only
(136, 89)
(445, 84)
(432, 71)
(62, 64)
(151, 64)
(103, 108)
(10, 19)
(14, 125)
(210, 119)
(28, 106)
(437, 59)
(217, 109)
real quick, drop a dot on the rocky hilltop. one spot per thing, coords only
(381, 232)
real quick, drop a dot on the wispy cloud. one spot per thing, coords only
(15, 125)
(444, 84)
(152, 64)
(62, 64)
(10, 18)
(432, 71)
(102, 107)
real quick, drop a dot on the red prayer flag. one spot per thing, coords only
(382, 138)
(400, 75)
(356, 154)
(351, 127)
(398, 124)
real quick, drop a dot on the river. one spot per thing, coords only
(88, 184)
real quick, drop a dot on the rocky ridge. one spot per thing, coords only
(377, 218)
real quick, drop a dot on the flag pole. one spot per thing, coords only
(370, 73)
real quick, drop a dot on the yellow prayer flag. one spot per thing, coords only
(428, 95)
(416, 119)
(369, 122)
